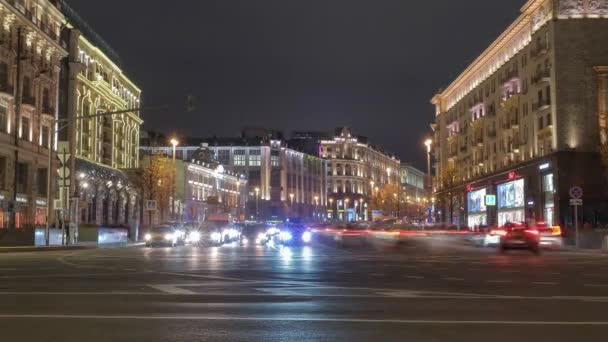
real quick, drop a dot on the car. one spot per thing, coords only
(162, 236)
(253, 234)
(295, 234)
(351, 234)
(517, 236)
(550, 236)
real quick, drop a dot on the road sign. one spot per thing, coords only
(64, 172)
(63, 147)
(576, 201)
(64, 157)
(490, 200)
(576, 192)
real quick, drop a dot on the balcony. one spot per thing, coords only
(541, 105)
(21, 8)
(28, 100)
(540, 49)
(510, 76)
(542, 76)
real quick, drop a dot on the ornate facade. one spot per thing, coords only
(103, 146)
(30, 58)
(522, 124)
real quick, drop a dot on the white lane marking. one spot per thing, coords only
(596, 285)
(453, 279)
(11, 269)
(305, 319)
(499, 281)
(74, 275)
(172, 289)
(544, 283)
(412, 277)
(198, 276)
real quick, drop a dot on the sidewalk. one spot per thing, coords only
(84, 246)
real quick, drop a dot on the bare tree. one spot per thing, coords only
(447, 181)
(157, 180)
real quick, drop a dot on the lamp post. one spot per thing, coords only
(331, 207)
(174, 143)
(257, 204)
(428, 143)
(316, 208)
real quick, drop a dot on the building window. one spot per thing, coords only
(540, 123)
(239, 158)
(4, 77)
(223, 156)
(3, 116)
(274, 161)
(45, 136)
(22, 175)
(2, 173)
(41, 181)
(25, 128)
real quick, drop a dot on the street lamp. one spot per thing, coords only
(316, 207)
(257, 204)
(331, 207)
(174, 143)
(428, 143)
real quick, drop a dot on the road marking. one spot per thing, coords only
(413, 277)
(499, 281)
(74, 275)
(544, 283)
(198, 276)
(306, 319)
(596, 285)
(172, 289)
(453, 279)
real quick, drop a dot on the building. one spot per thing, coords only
(103, 146)
(522, 125)
(30, 34)
(355, 170)
(415, 199)
(281, 182)
(203, 189)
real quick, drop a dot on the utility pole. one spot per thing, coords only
(18, 100)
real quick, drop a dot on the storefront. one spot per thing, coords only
(476, 208)
(548, 187)
(511, 203)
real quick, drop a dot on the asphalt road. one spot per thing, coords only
(420, 292)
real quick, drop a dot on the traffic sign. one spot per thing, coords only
(490, 200)
(576, 201)
(576, 192)
(64, 157)
(63, 172)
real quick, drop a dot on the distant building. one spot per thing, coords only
(355, 169)
(281, 182)
(524, 122)
(415, 199)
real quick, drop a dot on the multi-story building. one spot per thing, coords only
(414, 198)
(355, 169)
(204, 189)
(281, 182)
(521, 125)
(103, 146)
(31, 51)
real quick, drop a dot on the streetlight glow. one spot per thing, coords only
(428, 144)
(174, 142)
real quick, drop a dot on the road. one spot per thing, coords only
(421, 292)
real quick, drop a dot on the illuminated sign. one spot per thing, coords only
(490, 200)
(544, 166)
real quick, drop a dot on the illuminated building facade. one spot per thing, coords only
(522, 125)
(30, 33)
(355, 169)
(103, 146)
(414, 199)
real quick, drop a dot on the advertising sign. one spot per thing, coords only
(511, 194)
(476, 201)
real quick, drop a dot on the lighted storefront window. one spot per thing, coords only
(511, 202)
(477, 215)
(549, 205)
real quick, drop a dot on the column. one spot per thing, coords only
(602, 96)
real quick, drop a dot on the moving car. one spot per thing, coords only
(295, 234)
(517, 236)
(163, 236)
(253, 234)
(550, 236)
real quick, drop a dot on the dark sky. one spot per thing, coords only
(372, 65)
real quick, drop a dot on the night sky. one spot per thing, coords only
(372, 65)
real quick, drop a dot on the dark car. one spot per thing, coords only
(162, 236)
(518, 236)
(295, 234)
(253, 234)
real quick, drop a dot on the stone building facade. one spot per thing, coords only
(104, 147)
(31, 51)
(355, 169)
(522, 123)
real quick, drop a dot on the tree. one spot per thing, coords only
(447, 181)
(157, 181)
(386, 199)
